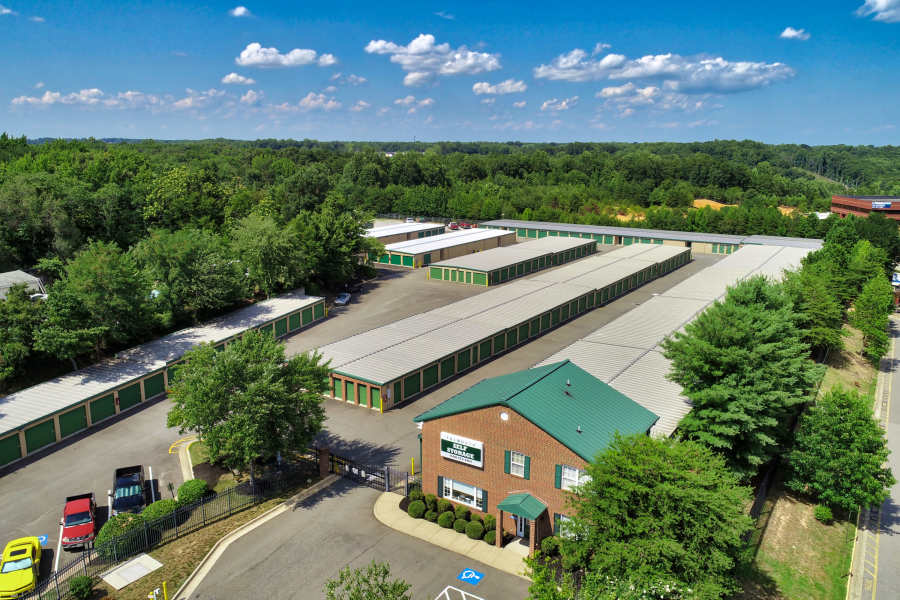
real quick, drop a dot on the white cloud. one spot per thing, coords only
(251, 97)
(37, 19)
(39, 85)
(423, 60)
(697, 74)
(313, 101)
(558, 105)
(6, 11)
(351, 79)
(520, 104)
(195, 99)
(238, 79)
(627, 96)
(445, 15)
(330, 89)
(412, 104)
(886, 11)
(239, 11)
(383, 111)
(407, 101)
(600, 47)
(790, 33)
(509, 86)
(360, 106)
(85, 97)
(488, 100)
(616, 91)
(254, 55)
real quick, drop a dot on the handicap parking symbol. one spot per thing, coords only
(43, 539)
(470, 576)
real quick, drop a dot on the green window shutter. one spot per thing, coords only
(557, 479)
(527, 467)
(484, 502)
(555, 523)
(506, 454)
(440, 489)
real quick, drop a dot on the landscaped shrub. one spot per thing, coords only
(476, 517)
(112, 541)
(158, 509)
(445, 519)
(491, 537)
(475, 530)
(461, 512)
(416, 494)
(490, 522)
(460, 525)
(431, 516)
(443, 505)
(550, 545)
(191, 491)
(431, 502)
(81, 587)
(823, 513)
(416, 509)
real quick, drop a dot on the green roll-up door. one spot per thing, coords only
(542, 233)
(604, 295)
(532, 233)
(384, 258)
(351, 392)
(582, 304)
(337, 388)
(468, 276)
(361, 397)
(484, 351)
(545, 321)
(448, 368)
(376, 397)
(463, 360)
(294, 321)
(573, 308)
(429, 377)
(554, 316)
(521, 232)
(627, 241)
(398, 391)
(520, 268)
(512, 338)
(395, 259)
(306, 316)
(426, 260)
(281, 327)
(266, 329)
(407, 260)
(524, 333)
(563, 312)
(499, 343)
(105, 407)
(154, 385)
(39, 436)
(72, 421)
(412, 385)
(436, 272)
(453, 274)
(10, 449)
(129, 396)
(319, 310)
(479, 278)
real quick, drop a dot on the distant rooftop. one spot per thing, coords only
(11, 278)
(897, 198)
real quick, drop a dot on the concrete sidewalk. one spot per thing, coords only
(387, 510)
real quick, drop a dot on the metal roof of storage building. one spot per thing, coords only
(473, 305)
(775, 240)
(504, 256)
(444, 240)
(686, 236)
(11, 278)
(39, 401)
(400, 228)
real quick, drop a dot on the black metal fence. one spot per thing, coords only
(383, 478)
(184, 520)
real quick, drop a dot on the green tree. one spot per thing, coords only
(269, 253)
(373, 583)
(102, 299)
(19, 317)
(870, 315)
(192, 269)
(248, 402)
(840, 452)
(658, 511)
(820, 315)
(745, 368)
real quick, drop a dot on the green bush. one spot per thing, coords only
(490, 522)
(191, 491)
(823, 513)
(445, 519)
(475, 530)
(443, 505)
(550, 545)
(491, 537)
(112, 540)
(461, 512)
(476, 517)
(431, 502)
(158, 509)
(81, 587)
(460, 525)
(416, 494)
(416, 509)
(431, 516)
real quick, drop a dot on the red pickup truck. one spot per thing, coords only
(79, 521)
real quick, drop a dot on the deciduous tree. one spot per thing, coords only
(372, 583)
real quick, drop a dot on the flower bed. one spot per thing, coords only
(449, 516)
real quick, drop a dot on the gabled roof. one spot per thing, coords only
(576, 408)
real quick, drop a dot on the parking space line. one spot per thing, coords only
(58, 549)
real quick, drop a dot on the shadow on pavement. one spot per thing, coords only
(360, 451)
(339, 488)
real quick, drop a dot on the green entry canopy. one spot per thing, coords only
(523, 505)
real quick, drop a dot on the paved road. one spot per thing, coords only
(293, 555)
(887, 585)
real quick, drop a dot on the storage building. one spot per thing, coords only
(39, 416)
(422, 252)
(512, 446)
(509, 262)
(11, 278)
(401, 232)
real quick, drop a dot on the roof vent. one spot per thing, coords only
(578, 429)
(568, 383)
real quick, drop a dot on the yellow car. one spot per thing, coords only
(19, 567)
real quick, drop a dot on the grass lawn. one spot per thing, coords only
(848, 368)
(219, 479)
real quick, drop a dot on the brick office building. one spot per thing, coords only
(862, 206)
(513, 445)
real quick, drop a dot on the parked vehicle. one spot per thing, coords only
(353, 287)
(79, 521)
(20, 566)
(410, 220)
(465, 225)
(342, 299)
(128, 490)
(453, 225)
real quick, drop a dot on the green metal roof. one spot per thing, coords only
(523, 505)
(573, 406)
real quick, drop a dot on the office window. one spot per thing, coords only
(517, 464)
(462, 493)
(572, 477)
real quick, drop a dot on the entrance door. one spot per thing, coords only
(521, 527)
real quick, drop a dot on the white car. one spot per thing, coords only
(342, 299)
(410, 220)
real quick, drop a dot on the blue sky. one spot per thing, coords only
(818, 73)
